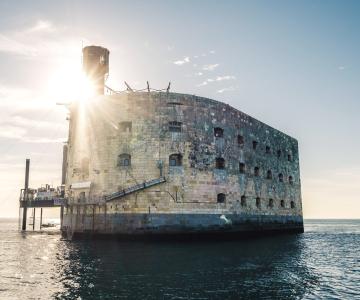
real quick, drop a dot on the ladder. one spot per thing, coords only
(134, 188)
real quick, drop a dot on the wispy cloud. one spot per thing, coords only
(183, 61)
(218, 78)
(42, 26)
(227, 89)
(211, 67)
(341, 68)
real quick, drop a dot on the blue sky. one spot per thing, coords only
(293, 65)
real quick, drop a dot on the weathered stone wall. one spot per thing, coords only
(137, 125)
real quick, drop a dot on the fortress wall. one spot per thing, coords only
(192, 187)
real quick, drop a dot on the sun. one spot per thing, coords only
(69, 83)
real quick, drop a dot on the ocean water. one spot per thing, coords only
(322, 263)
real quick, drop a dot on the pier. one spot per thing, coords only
(44, 197)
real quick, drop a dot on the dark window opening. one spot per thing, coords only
(292, 204)
(269, 174)
(254, 144)
(175, 126)
(282, 203)
(267, 150)
(289, 157)
(124, 160)
(125, 126)
(278, 153)
(281, 178)
(256, 171)
(271, 202)
(243, 200)
(218, 132)
(291, 180)
(220, 163)
(175, 160)
(221, 198)
(258, 203)
(240, 140)
(242, 168)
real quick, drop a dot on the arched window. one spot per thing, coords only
(256, 171)
(218, 132)
(254, 144)
(175, 160)
(269, 174)
(291, 180)
(125, 126)
(282, 203)
(243, 200)
(242, 168)
(278, 153)
(267, 150)
(175, 126)
(258, 202)
(220, 163)
(124, 160)
(281, 177)
(221, 198)
(292, 204)
(271, 203)
(240, 140)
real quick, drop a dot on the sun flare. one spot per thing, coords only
(69, 84)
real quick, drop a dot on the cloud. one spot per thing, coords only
(42, 26)
(218, 78)
(210, 67)
(341, 68)
(181, 62)
(42, 39)
(212, 51)
(227, 89)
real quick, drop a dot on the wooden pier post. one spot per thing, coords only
(33, 224)
(27, 169)
(40, 218)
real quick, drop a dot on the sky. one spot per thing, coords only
(294, 65)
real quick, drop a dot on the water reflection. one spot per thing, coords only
(255, 268)
(321, 263)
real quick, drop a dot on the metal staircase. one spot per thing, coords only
(134, 188)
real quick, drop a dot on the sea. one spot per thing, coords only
(322, 263)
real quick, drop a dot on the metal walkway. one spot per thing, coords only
(134, 189)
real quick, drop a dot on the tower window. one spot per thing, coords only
(175, 126)
(258, 202)
(220, 163)
(221, 198)
(278, 153)
(267, 150)
(271, 203)
(243, 200)
(289, 157)
(282, 203)
(242, 168)
(125, 126)
(175, 160)
(292, 204)
(269, 174)
(218, 132)
(240, 140)
(254, 144)
(124, 160)
(256, 171)
(281, 177)
(291, 180)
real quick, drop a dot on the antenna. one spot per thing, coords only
(128, 87)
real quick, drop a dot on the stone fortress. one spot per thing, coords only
(163, 164)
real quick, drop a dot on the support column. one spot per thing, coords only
(61, 216)
(27, 169)
(34, 218)
(40, 218)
